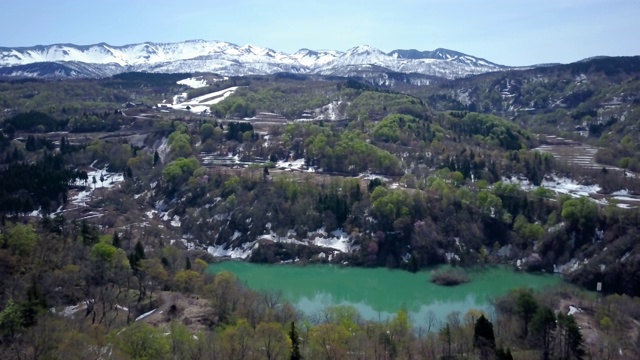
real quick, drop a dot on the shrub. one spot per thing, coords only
(449, 277)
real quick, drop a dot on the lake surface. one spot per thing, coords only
(379, 293)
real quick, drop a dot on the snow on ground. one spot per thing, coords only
(626, 198)
(242, 252)
(574, 310)
(571, 187)
(330, 111)
(145, 315)
(558, 184)
(194, 82)
(136, 196)
(109, 180)
(175, 222)
(163, 150)
(339, 241)
(190, 245)
(624, 192)
(290, 238)
(369, 176)
(292, 165)
(201, 103)
(70, 310)
(82, 197)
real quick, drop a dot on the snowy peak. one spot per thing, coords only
(230, 59)
(444, 55)
(357, 56)
(363, 49)
(311, 58)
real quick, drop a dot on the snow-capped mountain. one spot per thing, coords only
(68, 60)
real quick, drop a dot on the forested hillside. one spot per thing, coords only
(596, 100)
(111, 208)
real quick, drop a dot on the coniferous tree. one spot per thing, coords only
(116, 240)
(502, 354)
(136, 256)
(572, 343)
(483, 337)
(526, 306)
(543, 325)
(295, 346)
(88, 233)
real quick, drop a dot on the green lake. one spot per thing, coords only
(379, 293)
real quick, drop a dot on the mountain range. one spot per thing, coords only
(102, 60)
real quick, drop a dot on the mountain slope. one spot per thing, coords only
(596, 100)
(229, 59)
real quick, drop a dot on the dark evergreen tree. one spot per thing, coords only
(88, 233)
(136, 256)
(35, 304)
(295, 345)
(572, 342)
(116, 240)
(483, 337)
(502, 354)
(526, 306)
(543, 325)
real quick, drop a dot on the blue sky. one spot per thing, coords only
(515, 32)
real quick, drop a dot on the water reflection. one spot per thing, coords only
(379, 293)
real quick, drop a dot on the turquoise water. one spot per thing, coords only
(379, 293)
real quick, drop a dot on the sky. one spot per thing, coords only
(514, 32)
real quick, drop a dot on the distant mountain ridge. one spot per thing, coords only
(224, 58)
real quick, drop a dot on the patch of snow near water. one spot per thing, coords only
(188, 244)
(339, 241)
(242, 252)
(290, 238)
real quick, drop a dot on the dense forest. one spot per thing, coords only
(110, 211)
